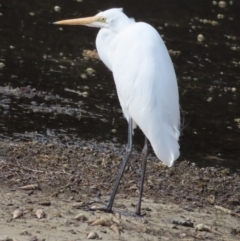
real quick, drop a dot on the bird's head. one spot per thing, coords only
(113, 18)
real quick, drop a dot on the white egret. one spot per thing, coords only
(145, 81)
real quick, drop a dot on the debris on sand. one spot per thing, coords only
(80, 217)
(40, 214)
(70, 175)
(30, 187)
(17, 213)
(228, 211)
(92, 235)
(206, 228)
(101, 222)
(182, 222)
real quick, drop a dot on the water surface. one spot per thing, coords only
(43, 73)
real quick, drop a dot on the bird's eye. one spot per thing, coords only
(102, 19)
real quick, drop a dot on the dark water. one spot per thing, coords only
(43, 64)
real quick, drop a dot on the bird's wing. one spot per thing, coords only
(147, 87)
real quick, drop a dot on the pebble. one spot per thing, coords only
(83, 76)
(17, 213)
(200, 38)
(92, 235)
(85, 94)
(220, 16)
(222, 4)
(57, 8)
(2, 65)
(78, 204)
(214, 23)
(209, 99)
(90, 71)
(80, 217)
(182, 222)
(40, 214)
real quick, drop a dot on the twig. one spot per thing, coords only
(228, 211)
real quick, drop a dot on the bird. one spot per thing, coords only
(146, 85)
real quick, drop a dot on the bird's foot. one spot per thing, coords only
(104, 209)
(140, 215)
(122, 212)
(108, 209)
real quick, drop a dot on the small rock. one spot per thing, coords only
(57, 8)
(40, 213)
(222, 4)
(80, 217)
(2, 65)
(90, 71)
(17, 213)
(92, 235)
(200, 38)
(101, 222)
(78, 204)
(85, 94)
(186, 223)
(83, 76)
(220, 16)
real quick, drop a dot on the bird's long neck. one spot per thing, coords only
(104, 38)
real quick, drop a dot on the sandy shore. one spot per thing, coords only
(184, 202)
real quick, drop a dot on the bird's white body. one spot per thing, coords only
(144, 76)
(147, 91)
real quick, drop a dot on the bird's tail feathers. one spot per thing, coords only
(165, 145)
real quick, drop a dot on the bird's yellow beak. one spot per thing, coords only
(78, 21)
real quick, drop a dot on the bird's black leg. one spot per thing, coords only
(126, 158)
(144, 163)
